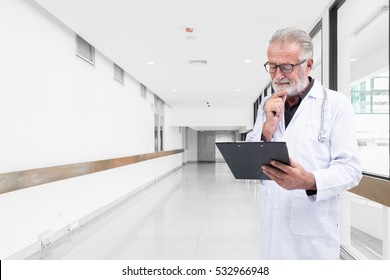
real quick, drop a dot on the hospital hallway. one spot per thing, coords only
(198, 212)
(111, 112)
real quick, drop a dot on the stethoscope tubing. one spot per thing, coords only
(322, 136)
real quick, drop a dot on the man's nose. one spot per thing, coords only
(278, 74)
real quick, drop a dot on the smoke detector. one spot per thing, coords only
(189, 29)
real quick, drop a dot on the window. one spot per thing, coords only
(363, 67)
(119, 74)
(371, 96)
(359, 67)
(255, 109)
(84, 50)
(156, 134)
(370, 99)
(316, 35)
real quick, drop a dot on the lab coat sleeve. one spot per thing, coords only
(344, 171)
(255, 134)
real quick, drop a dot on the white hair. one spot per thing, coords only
(293, 34)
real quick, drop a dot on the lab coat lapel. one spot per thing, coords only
(315, 93)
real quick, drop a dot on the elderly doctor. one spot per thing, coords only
(299, 207)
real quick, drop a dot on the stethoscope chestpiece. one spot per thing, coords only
(321, 137)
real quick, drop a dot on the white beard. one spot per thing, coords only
(292, 91)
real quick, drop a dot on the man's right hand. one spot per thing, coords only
(274, 111)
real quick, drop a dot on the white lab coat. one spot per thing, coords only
(294, 225)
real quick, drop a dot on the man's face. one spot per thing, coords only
(289, 53)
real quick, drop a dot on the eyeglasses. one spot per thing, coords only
(285, 68)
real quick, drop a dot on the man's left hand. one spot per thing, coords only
(290, 177)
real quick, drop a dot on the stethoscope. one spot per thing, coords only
(322, 136)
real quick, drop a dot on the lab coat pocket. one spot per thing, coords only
(309, 145)
(308, 217)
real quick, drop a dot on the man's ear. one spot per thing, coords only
(310, 63)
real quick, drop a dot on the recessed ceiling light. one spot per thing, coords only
(237, 89)
(150, 62)
(352, 59)
(173, 90)
(247, 61)
(190, 38)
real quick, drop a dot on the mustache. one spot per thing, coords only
(284, 80)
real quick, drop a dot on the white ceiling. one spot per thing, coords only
(226, 32)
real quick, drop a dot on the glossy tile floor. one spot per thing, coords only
(198, 212)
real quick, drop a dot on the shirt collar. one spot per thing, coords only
(308, 88)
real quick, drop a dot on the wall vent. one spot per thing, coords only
(84, 50)
(198, 62)
(143, 91)
(119, 74)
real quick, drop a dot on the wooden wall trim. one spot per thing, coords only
(372, 188)
(375, 189)
(18, 180)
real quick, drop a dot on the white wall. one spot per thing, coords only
(172, 134)
(192, 152)
(211, 117)
(56, 109)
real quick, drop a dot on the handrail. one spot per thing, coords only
(17, 180)
(374, 188)
(376, 175)
(370, 187)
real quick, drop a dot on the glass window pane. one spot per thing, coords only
(161, 133)
(316, 72)
(364, 59)
(363, 72)
(156, 133)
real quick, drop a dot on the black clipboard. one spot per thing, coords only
(246, 158)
